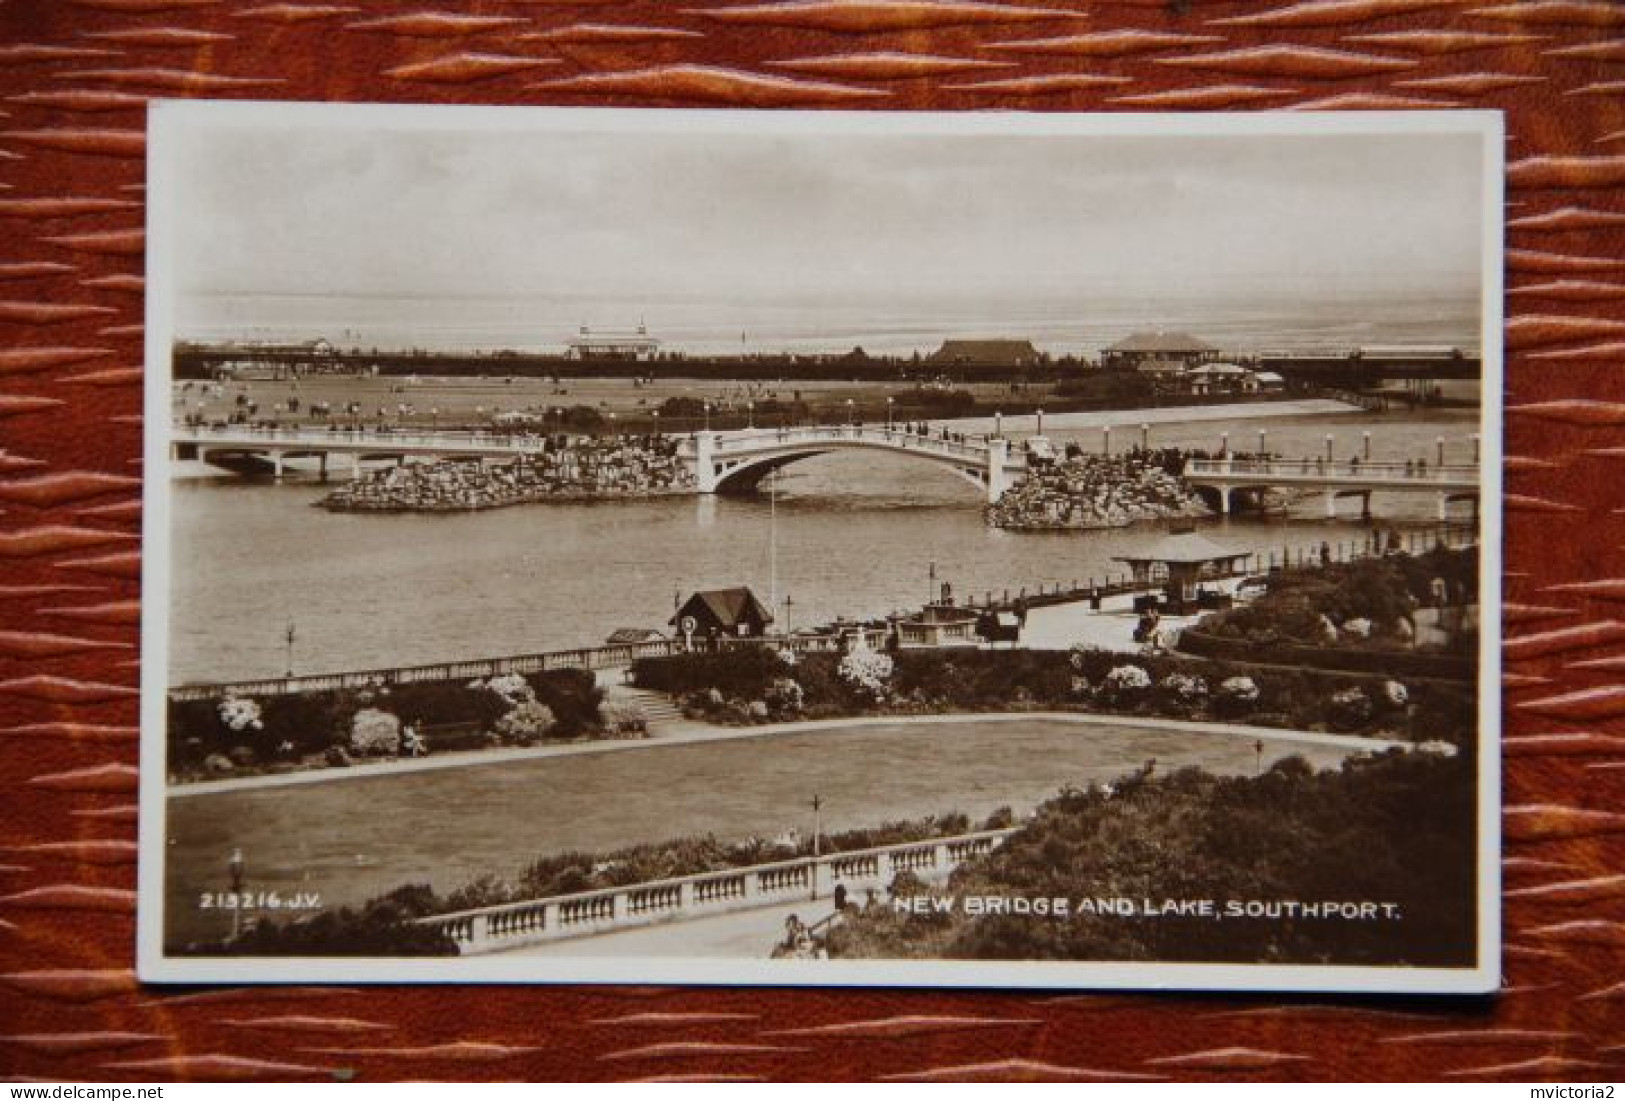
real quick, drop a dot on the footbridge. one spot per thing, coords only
(725, 461)
(1336, 479)
(275, 445)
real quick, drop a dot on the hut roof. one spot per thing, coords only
(1186, 547)
(728, 606)
(1174, 343)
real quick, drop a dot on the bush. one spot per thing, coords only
(866, 671)
(528, 722)
(375, 733)
(625, 718)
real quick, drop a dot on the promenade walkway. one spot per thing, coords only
(743, 934)
(704, 733)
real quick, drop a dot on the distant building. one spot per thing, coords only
(986, 354)
(939, 624)
(636, 347)
(1220, 378)
(1158, 347)
(735, 613)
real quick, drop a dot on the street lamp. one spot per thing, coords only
(818, 829)
(1224, 444)
(1040, 422)
(656, 415)
(849, 420)
(1440, 443)
(1365, 443)
(235, 870)
(1329, 442)
(1263, 444)
(1105, 439)
(1145, 437)
(889, 401)
(290, 637)
(707, 416)
(750, 414)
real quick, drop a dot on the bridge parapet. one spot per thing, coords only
(1320, 472)
(516, 924)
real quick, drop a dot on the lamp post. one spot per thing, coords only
(1224, 444)
(849, 419)
(290, 636)
(1330, 440)
(750, 414)
(235, 870)
(1440, 443)
(707, 416)
(1040, 422)
(656, 416)
(1145, 437)
(1365, 445)
(1263, 442)
(889, 401)
(1105, 439)
(818, 829)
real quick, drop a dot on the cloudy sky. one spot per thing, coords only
(730, 219)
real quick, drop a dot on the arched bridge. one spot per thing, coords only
(721, 461)
(726, 461)
(1347, 478)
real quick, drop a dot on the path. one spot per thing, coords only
(743, 934)
(702, 733)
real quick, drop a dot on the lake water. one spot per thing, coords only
(354, 839)
(856, 535)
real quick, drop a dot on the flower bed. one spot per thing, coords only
(745, 687)
(211, 739)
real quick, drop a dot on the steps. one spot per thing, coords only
(662, 712)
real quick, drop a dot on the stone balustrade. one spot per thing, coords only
(516, 924)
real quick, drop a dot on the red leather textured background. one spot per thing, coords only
(74, 77)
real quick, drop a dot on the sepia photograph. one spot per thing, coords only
(822, 548)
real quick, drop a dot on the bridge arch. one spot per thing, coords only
(743, 474)
(739, 464)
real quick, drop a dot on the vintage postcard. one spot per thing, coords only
(822, 548)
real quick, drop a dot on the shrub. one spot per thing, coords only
(784, 696)
(1236, 696)
(1125, 684)
(375, 733)
(240, 715)
(528, 722)
(625, 718)
(1184, 691)
(867, 671)
(1351, 708)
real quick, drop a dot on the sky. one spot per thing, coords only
(728, 222)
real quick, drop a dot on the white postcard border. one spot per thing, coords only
(167, 119)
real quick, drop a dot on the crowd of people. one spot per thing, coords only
(1099, 491)
(575, 469)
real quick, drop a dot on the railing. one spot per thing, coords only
(495, 928)
(1418, 475)
(249, 435)
(754, 439)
